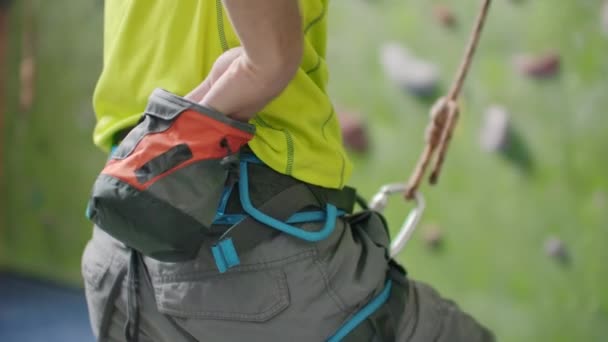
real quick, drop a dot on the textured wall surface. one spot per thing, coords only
(496, 212)
(49, 160)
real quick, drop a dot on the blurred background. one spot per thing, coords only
(516, 231)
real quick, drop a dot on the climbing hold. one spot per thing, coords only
(444, 15)
(556, 249)
(539, 66)
(354, 132)
(432, 236)
(419, 77)
(599, 199)
(27, 73)
(604, 17)
(494, 133)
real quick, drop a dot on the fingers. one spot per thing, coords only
(198, 93)
(217, 70)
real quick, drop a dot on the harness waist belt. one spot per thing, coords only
(277, 201)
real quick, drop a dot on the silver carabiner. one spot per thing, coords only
(379, 203)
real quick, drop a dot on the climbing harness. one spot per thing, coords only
(279, 213)
(235, 240)
(443, 118)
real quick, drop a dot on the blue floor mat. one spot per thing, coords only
(33, 310)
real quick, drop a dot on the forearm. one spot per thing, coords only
(272, 39)
(270, 32)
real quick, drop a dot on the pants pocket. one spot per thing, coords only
(245, 296)
(103, 273)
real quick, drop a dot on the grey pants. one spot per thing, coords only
(284, 289)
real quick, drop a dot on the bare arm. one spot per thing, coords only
(243, 80)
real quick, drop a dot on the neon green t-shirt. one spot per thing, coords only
(173, 45)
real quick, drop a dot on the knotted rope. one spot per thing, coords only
(444, 115)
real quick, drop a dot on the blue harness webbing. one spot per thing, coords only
(364, 313)
(224, 251)
(226, 256)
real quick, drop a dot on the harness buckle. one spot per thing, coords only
(225, 255)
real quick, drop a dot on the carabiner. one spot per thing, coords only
(379, 203)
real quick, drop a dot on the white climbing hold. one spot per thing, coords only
(419, 77)
(556, 249)
(432, 236)
(495, 129)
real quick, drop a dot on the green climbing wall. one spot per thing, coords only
(50, 162)
(495, 212)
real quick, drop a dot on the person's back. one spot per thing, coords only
(261, 61)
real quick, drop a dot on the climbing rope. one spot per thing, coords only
(444, 115)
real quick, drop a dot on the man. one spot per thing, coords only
(261, 61)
